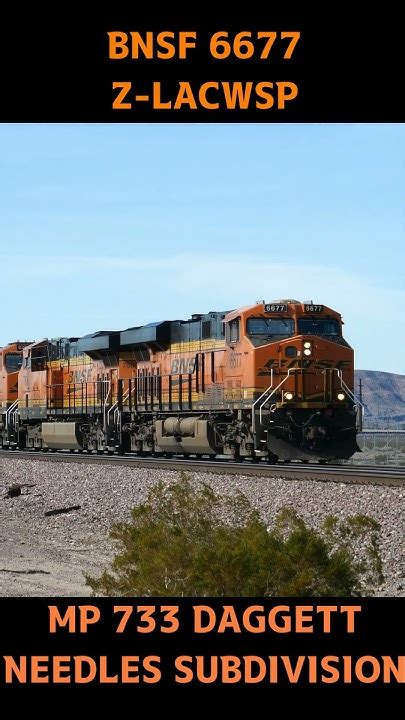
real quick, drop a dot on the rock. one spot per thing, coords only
(60, 511)
(13, 491)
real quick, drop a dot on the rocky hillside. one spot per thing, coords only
(383, 397)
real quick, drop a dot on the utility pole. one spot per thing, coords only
(361, 406)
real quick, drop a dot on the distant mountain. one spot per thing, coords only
(383, 397)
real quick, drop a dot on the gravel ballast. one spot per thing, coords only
(48, 554)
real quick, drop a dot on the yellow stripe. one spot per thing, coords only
(184, 346)
(229, 393)
(196, 345)
(73, 362)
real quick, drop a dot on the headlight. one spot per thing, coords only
(307, 344)
(341, 396)
(288, 395)
(307, 351)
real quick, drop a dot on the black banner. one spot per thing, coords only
(207, 643)
(270, 66)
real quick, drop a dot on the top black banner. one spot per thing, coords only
(267, 67)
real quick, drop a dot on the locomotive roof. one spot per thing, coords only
(152, 324)
(162, 334)
(100, 333)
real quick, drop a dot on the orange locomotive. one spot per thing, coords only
(10, 364)
(272, 380)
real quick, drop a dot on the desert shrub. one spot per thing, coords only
(190, 541)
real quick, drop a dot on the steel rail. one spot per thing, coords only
(354, 474)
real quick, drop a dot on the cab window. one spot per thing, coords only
(269, 327)
(13, 362)
(309, 326)
(38, 359)
(233, 331)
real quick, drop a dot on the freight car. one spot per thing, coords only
(271, 380)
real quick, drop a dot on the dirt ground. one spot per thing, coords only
(48, 555)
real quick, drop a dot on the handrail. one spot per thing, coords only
(117, 412)
(11, 410)
(352, 395)
(105, 416)
(266, 395)
(265, 391)
(11, 415)
(115, 407)
(275, 390)
(258, 399)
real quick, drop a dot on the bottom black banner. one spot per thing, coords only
(181, 643)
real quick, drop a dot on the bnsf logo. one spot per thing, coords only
(79, 376)
(183, 366)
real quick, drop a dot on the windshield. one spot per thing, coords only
(318, 327)
(13, 362)
(270, 326)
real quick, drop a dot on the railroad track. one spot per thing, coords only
(355, 474)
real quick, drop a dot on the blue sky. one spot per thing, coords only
(109, 226)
